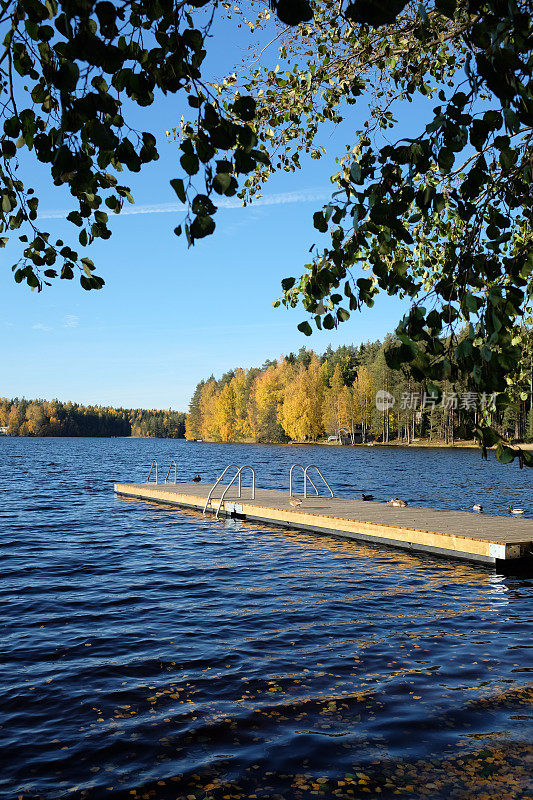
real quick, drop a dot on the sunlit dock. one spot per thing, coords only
(457, 534)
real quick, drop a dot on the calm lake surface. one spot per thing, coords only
(148, 652)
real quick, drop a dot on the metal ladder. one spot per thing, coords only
(300, 466)
(155, 466)
(238, 475)
(307, 477)
(172, 464)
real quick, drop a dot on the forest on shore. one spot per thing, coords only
(55, 418)
(347, 394)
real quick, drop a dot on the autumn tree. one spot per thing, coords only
(334, 411)
(285, 398)
(35, 418)
(268, 393)
(364, 397)
(315, 387)
(301, 413)
(16, 418)
(54, 418)
(208, 399)
(241, 390)
(252, 418)
(224, 413)
(194, 416)
(441, 216)
(291, 414)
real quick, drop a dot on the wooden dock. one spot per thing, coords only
(457, 534)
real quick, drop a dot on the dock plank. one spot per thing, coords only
(462, 534)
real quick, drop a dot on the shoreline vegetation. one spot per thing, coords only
(307, 397)
(20, 417)
(458, 444)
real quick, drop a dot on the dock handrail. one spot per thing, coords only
(214, 486)
(306, 478)
(237, 475)
(175, 471)
(294, 466)
(154, 463)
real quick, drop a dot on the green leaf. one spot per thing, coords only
(489, 436)
(305, 327)
(319, 222)
(177, 185)
(12, 127)
(527, 458)
(221, 182)
(471, 303)
(7, 203)
(32, 279)
(505, 454)
(75, 217)
(355, 172)
(287, 283)
(190, 163)
(202, 205)
(446, 159)
(202, 226)
(244, 108)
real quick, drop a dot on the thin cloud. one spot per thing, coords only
(40, 327)
(71, 321)
(281, 199)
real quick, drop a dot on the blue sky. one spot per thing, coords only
(169, 316)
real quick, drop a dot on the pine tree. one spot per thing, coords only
(194, 417)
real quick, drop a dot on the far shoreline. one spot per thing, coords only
(460, 444)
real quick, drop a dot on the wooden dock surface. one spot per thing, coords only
(460, 534)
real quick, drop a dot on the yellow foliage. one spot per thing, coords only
(239, 387)
(225, 413)
(335, 410)
(282, 398)
(208, 403)
(301, 413)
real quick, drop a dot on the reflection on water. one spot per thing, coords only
(153, 653)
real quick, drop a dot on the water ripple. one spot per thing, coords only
(152, 653)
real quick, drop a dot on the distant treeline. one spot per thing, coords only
(346, 394)
(54, 418)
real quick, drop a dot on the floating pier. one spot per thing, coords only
(457, 534)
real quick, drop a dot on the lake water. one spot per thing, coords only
(149, 652)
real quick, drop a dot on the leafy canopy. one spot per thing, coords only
(66, 70)
(442, 217)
